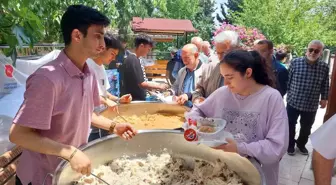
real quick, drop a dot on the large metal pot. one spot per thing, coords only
(141, 107)
(104, 150)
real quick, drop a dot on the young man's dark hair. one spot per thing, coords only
(122, 38)
(143, 39)
(111, 41)
(80, 17)
(268, 42)
(280, 55)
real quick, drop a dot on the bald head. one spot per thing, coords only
(190, 48)
(198, 42)
(190, 56)
(206, 47)
(206, 43)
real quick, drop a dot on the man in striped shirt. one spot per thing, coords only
(308, 86)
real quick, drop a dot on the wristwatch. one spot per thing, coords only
(118, 101)
(112, 126)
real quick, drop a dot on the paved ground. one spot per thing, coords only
(295, 170)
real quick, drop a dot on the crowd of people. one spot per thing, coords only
(246, 88)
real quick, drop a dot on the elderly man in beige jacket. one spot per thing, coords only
(211, 79)
(188, 76)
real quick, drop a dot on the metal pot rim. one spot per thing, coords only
(157, 102)
(63, 164)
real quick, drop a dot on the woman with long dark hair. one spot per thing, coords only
(254, 111)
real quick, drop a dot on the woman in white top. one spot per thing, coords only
(324, 153)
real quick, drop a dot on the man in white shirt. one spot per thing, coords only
(324, 153)
(96, 65)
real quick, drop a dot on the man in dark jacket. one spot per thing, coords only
(265, 48)
(178, 63)
(171, 65)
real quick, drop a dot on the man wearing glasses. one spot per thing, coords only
(308, 86)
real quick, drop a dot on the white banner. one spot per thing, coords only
(10, 78)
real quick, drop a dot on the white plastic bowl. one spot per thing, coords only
(217, 142)
(214, 139)
(219, 125)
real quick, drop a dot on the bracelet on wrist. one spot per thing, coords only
(73, 154)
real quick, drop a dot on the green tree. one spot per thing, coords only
(233, 6)
(127, 9)
(286, 21)
(28, 22)
(329, 12)
(198, 11)
(18, 25)
(51, 11)
(221, 16)
(203, 21)
(182, 9)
